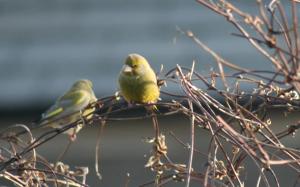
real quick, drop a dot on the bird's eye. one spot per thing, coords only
(134, 66)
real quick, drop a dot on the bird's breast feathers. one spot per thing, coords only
(138, 89)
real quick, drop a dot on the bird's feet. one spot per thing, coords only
(130, 104)
(73, 137)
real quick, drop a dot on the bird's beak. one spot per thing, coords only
(127, 69)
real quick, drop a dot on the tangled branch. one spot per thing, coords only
(214, 102)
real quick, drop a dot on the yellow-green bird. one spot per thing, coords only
(70, 107)
(137, 81)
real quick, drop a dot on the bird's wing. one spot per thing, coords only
(68, 104)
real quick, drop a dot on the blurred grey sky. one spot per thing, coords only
(47, 45)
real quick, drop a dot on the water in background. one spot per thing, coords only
(46, 45)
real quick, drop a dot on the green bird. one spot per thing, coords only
(70, 107)
(137, 81)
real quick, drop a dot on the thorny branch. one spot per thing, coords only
(238, 119)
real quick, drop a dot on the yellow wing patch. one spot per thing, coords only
(54, 112)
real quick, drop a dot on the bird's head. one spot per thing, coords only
(135, 64)
(83, 84)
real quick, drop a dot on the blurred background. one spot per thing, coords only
(47, 45)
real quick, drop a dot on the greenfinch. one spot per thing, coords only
(70, 107)
(137, 81)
